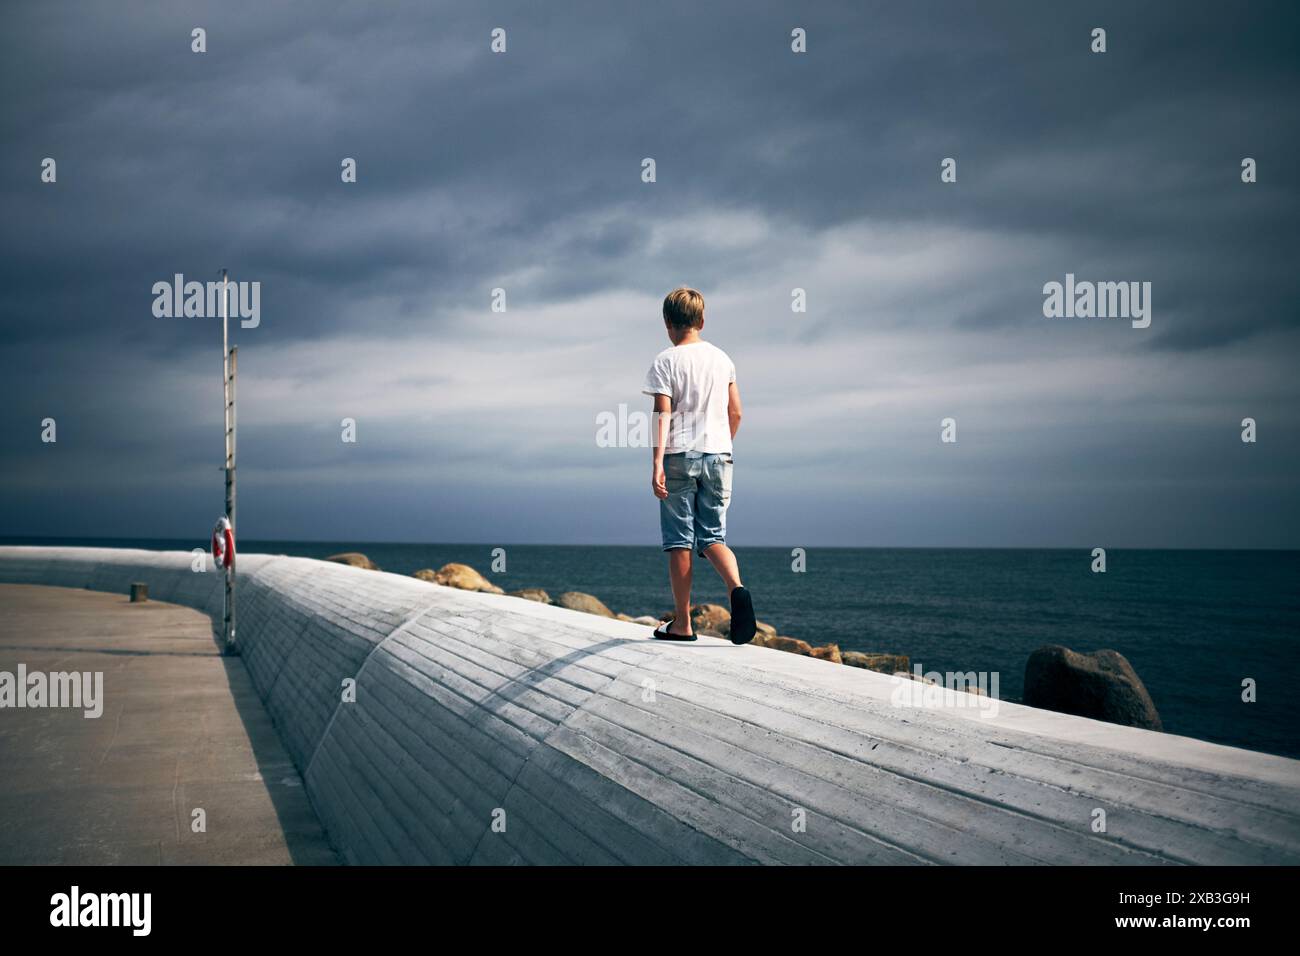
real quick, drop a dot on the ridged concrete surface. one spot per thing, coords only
(592, 744)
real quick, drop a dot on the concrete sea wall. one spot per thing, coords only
(488, 729)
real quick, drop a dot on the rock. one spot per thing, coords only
(646, 619)
(354, 559)
(1101, 685)
(884, 663)
(623, 617)
(828, 652)
(791, 645)
(459, 576)
(577, 601)
(532, 594)
(710, 619)
(762, 629)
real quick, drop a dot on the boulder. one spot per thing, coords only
(624, 617)
(884, 663)
(458, 576)
(1101, 685)
(532, 594)
(791, 645)
(762, 629)
(828, 652)
(577, 601)
(710, 619)
(354, 559)
(646, 619)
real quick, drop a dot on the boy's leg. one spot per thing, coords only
(711, 534)
(679, 575)
(677, 523)
(723, 560)
(743, 625)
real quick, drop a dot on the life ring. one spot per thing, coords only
(223, 543)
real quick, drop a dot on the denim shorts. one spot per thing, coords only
(694, 515)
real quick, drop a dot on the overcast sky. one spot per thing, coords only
(775, 170)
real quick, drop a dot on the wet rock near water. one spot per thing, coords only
(882, 663)
(791, 645)
(460, 576)
(828, 652)
(763, 629)
(710, 619)
(578, 601)
(353, 559)
(1101, 685)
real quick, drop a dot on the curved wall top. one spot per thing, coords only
(489, 729)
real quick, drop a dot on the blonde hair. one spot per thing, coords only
(684, 309)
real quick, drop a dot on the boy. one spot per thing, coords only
(697, 412)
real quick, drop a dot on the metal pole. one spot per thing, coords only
(232, 646)
(230, 490)
(228, 402)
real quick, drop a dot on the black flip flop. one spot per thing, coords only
(743, 626)
(663, 634)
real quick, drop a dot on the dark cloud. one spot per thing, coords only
(774, 171)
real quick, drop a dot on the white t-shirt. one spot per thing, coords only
(696, 377)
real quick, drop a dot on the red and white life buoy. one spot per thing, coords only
(223, 543)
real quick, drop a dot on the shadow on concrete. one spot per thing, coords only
(304, 836)
(531, 679)
(115, 651)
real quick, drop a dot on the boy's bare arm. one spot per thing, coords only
(733, 408)
(662, 416)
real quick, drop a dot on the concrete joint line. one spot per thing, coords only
(541, 742)
(405, 625)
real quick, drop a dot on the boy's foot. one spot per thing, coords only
(743, 625)
(663, 634)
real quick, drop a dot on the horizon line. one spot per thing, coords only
(16, 540)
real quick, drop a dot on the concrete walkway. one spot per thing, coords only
(182, 729)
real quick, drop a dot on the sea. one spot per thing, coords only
(1199, 627)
